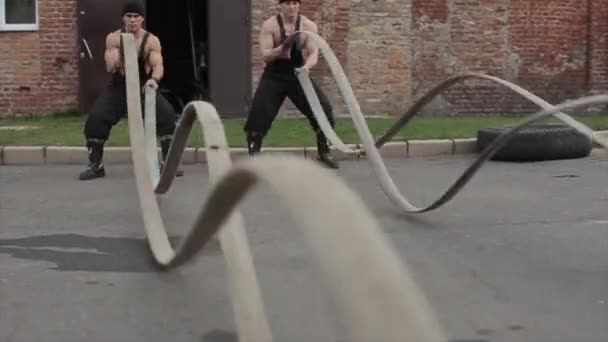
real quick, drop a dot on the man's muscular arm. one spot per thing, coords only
(266, 41)
(155, 59)
(112, 53)
(310, 50)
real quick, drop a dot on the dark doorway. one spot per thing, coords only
(182, 31)
(206, 48)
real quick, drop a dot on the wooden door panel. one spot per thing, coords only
(96, 18)
(230, 56)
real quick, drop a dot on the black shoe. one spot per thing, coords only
(94, 170)
(324, 152)
(328, 160)
(254, 143)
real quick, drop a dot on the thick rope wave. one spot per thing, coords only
(383, 303)
(371, 147)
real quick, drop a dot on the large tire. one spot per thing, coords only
(537, 142)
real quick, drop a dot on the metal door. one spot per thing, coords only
(96, 18)
(230, 56)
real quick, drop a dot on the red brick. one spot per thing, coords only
(392, 52)
(33, 59)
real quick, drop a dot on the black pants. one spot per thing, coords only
(269, 97)
(111, 106)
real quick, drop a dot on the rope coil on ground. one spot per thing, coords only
(371, 147)
(382, 303)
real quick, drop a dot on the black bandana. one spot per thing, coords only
(133, 7)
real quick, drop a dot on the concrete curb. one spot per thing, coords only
(602, 135)
(59, 155)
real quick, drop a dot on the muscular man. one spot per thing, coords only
(286, 53)
(111, 105)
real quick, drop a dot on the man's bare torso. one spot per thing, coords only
(114, 37)
(305, 25)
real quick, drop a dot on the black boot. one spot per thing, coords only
(324, 152)
(254, 143)
(95, 168)
(165, 143)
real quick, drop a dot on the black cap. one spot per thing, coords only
(281, 1)
(133, 7)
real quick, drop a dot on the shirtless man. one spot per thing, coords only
(285, 54)
(111, 105)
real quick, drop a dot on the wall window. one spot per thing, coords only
(18, 15)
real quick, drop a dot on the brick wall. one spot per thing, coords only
(39, 70)
(480, 43)
(550, 42)
(379, 54)
(430, 37)
(539, 45)
(598, 43)
(393, 51)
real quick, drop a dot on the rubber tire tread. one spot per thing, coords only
(537, 142)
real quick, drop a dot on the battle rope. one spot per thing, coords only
(371, 147)
(382, 302)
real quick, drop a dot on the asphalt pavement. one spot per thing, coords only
(521, 254)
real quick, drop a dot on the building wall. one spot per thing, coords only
(598, 45)
(39, 70)
(393, 52)
(397, 50)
